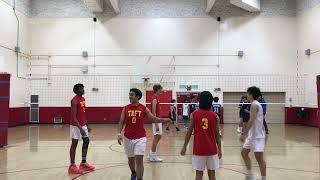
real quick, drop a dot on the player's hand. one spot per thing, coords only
(83, 133)
(220, 154)
(89, 129)
(183, 151)
(120, 139)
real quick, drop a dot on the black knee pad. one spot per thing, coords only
(86, 142)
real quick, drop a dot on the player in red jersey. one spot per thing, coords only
(79, 129)
(156, 127)
(134, 140)
(207, 144)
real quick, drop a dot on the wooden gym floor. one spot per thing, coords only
(41, 153)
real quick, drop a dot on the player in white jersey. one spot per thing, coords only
(255, 134)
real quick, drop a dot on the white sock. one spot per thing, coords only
(152, 153)
(263, 178)
(249, 172)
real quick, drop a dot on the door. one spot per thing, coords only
(275, 113)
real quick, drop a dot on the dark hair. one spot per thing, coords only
(137, 92)
(216, 99)
(173, 100)
(156, 88)
(205, 100)
(77, 87)
(255, 92)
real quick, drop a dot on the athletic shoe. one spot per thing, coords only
(250, 177)
(177, 129)
(239, 130)
(86, 167)
(73, 169)
(155, 158)
(167, 129)
(220, 133)
(133, 176)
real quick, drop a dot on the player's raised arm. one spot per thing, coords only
(188, 136)
(155, 119)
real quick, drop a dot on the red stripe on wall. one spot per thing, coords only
(19, 116)
(310, 120)
(94, 114)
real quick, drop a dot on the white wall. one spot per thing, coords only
(269, 45)
(8, 31)
(308, 38)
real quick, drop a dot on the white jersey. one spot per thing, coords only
(257, 130)
(185, 110)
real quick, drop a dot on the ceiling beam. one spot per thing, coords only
(95, 6)
(249, 5)
(210, 4)
(115, 5)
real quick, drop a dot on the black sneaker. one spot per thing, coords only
(167, 129)
(177, 129)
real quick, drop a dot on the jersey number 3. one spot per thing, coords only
(134, 120)
(205, 123)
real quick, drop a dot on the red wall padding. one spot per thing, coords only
(4, 108)
(47, 114)
(311, 120)
(19, 116)
(104, 114)
(164, 97)
(94, 114)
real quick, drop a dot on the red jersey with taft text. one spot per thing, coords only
(134, 118)
(81, 110)
(154, 97)
(205, 123)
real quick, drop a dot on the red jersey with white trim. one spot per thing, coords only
(81, 110)
(205, 123)
(134, 118)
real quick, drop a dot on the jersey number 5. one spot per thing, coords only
(205, 123)
(134, 120)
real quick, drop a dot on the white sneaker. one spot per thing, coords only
(250, 177)
(155, 158)
(239, 129)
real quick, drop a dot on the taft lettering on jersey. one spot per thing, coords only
(134, 117)
(134, 113)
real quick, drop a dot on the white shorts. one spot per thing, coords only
(155, 132)
(134, 147)
(75, 132)
(201, 163)
(256, 144)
